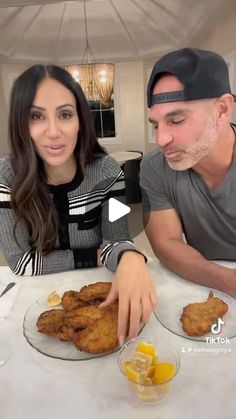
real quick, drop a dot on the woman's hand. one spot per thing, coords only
(133, 287)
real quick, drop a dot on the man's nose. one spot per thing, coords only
(163, 137)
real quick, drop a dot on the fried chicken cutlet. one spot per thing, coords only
(197, 318)
(91, 328)
(83, 317)
(70, 300)
(96, 291)
(52, 323)
(101, 336)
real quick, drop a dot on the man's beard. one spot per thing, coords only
(203, 145)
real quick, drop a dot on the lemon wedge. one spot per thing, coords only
(163, 372)
(146, 348)
(131, 373)
(53, 299)
(142, 363)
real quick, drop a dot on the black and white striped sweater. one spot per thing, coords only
(82, 206)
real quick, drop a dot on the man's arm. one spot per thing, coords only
(164, 231)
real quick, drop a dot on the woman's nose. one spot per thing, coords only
(53, 128)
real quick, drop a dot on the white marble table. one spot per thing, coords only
(35, 386)
(122, 156)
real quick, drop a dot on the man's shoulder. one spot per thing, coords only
(154, 155)
(154, 160)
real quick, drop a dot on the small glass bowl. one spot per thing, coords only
(149, 393)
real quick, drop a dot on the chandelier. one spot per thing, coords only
(96, 79)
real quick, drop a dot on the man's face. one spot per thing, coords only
(185, 131)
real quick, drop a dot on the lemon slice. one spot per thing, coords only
(163, 372)
(146, 348)
(131, 373)
(151, 372)
(142, 363)
(53, 299)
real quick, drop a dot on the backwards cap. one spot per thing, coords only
(204, 75)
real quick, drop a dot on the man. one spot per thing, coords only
(189, 183)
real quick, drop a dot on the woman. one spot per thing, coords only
(55, 186)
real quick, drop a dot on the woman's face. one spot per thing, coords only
(54, 124)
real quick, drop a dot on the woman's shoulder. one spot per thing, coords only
(6, 170)
(108, 166)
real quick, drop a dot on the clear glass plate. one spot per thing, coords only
(49, 345)
(170, 307)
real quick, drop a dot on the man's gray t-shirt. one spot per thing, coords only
(208, 217)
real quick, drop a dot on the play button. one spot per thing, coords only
(107, 205)
(116, 210)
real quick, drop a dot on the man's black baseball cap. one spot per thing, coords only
(204, 75)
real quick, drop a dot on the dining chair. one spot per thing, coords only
(132, 175)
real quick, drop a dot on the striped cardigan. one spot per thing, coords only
(82, 207)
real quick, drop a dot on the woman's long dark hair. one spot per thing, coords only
(30, 196)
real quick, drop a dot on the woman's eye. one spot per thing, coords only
(66, 115)
(36, 116)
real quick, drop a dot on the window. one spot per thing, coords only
(104, 119)
(107, 119)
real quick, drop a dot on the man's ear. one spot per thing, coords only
(224, 105)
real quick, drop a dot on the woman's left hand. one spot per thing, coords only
(134, 288)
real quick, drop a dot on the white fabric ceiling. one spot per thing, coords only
(42, 31)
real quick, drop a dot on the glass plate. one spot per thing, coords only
(49, 345)
(170, 308)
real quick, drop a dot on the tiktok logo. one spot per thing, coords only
(216, 327)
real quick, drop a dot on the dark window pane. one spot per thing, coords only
(94, 105)
(108, 122)
(97, 123)
(104, 119)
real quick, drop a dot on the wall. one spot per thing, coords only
(220, 37)
(131, 115)
(8, 72)
(222, 40)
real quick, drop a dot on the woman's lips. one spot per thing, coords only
(55, 149)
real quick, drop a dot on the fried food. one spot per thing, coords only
(51, 321)
(197, 318)
(71, 301)
(66, 333)
(99, 290)
(83, 317)
(100, 337)
(91, 328)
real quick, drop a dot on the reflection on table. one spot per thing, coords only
(122, 156)
(35, 385)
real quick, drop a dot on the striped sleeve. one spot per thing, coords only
(5, 196)
(29, 264)
(115, 235)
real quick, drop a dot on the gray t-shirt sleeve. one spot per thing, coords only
(155, 195)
